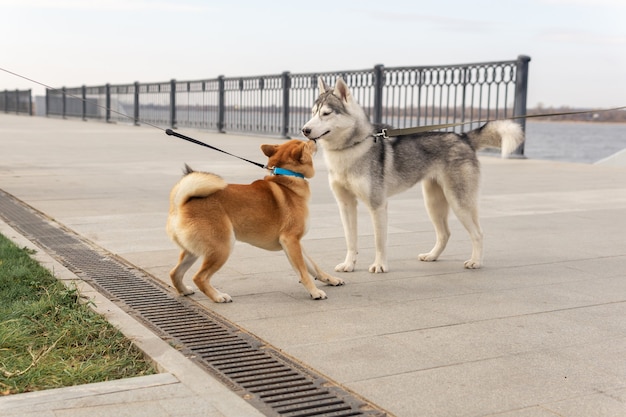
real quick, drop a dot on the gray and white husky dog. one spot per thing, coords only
(365, 167)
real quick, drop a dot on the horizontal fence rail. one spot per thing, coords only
(16, 101)
(279, 105)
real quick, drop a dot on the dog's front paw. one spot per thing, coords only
(345, 267)
(348, 264)
(472, 264)
(378, 268)
(330, 280)
(335, 282)
(187, 291)
(318, 294)
(222, 297)
(427, 257)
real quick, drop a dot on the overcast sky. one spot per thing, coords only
(578, 47)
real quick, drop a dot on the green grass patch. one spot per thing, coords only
(48, 339)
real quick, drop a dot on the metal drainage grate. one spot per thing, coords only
(270, 381)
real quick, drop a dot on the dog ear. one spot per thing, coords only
(322, 85)
(306, 159)
(305, 154)
(341, 89)
(269, 150)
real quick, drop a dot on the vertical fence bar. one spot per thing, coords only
(465, 75)
(173, 104)
(136, 104)
(63, 103)
(521, 91)
(286, 92)
(220, 105)
(30, 102)
(84, 103)
(107, 101)
(379, 82)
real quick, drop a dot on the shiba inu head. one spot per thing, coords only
(294, 155)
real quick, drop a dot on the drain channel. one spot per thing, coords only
(270, 381)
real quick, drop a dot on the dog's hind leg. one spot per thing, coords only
(470, 221)
(211, 263)
(185, 260)
(438, 209)
(317, 273)
(467, 213)
(293, 250)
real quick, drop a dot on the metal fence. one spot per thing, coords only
(16, 101)
(280, 104)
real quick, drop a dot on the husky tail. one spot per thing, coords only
(504, 134)
(195, 184)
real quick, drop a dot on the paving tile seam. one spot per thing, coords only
(483, 360)
(465, 323)
(592, 393)
(537, 313)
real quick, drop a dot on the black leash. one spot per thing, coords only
(388, 133)
(170, 132)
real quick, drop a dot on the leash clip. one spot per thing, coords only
(382, 133)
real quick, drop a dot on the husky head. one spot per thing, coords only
(338, 121)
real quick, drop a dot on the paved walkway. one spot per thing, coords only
(539, 331)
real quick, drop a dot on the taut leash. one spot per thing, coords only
(170, 132)
(388, 133)
(273, 170)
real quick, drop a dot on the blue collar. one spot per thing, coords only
(282, 171)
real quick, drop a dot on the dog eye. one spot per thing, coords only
(326, 112)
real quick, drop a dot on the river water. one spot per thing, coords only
(574, 141)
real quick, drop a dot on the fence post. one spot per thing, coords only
(464, 99)
(17, 101)
(286, 88)
(47, 102)
(6, 101)
(84, 95)
(173, 103)
(379, 81)
(136, 103)
(30, 102)
(107, 102)
(220, 105)
(521, 92)
(63, 104)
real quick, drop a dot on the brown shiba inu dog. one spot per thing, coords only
(207, 216)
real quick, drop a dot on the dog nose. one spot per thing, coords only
(306, 131)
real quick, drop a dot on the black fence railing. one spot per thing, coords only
(16, 101)
(279, 105)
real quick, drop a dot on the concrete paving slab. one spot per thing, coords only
(539, 331)
(603, 404)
